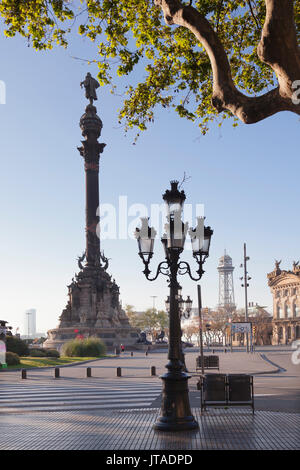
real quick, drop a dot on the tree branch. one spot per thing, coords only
(252, 14)
(278, 45)
(225, 94)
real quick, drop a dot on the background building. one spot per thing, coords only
(285, 288)
(30, 323)
(29, 328)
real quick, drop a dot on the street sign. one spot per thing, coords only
(239, 327)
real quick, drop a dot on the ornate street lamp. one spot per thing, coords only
(175, 410)
(181, 303)
(184, 307)
(167, 304)
(188, 306)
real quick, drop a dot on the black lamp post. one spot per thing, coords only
(184, 307)
(175, 411)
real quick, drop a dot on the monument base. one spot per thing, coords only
(111, 337)
(93, 310)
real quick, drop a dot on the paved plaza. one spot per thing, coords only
(106, 412)
(132, 430)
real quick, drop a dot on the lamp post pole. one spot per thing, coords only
(175, 409)
(245, 279)
(200, 327)
(246, 293)
(185, 307)
(176, 412)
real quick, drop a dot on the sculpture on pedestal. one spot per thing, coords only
(93, 306)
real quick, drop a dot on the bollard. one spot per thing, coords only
(119, 372)
(153, 370)
(146, 353)
(56, 372)
(213, 351)
(225, 350)
(23, 374)
(89, 372)
(117, 351)
(131, 354)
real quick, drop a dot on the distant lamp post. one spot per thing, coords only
(185, 307)
(167, 304)
(175, 411)
(207, 327)
(188, 307)
(245, 284)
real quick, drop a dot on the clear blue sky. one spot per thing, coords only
(247, 178)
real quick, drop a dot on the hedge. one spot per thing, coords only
(12, 359)
(52, 353)
(17, 346)
(88, 347)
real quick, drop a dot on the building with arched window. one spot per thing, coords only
(285, 288)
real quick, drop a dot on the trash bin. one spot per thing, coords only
(214, 388)
(226, 390)
(239, 388)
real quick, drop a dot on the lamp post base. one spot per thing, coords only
(176, 412)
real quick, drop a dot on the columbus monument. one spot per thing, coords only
(93, 308)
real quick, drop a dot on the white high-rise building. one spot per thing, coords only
(30, 323)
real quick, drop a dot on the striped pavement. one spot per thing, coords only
(109, 394)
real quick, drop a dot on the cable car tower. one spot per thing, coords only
(226, 289)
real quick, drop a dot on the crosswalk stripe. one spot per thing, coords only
(4, 387)
(68, 398)
(73, 390)
(83, 393)
(76, 408)
(60, 402)
(23, 397)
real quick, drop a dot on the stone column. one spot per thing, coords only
(91, 126)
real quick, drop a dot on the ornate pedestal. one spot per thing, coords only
(93, 309)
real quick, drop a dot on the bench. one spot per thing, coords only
(226, 390)
(210, 362)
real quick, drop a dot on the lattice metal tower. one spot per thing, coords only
(226, 289)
